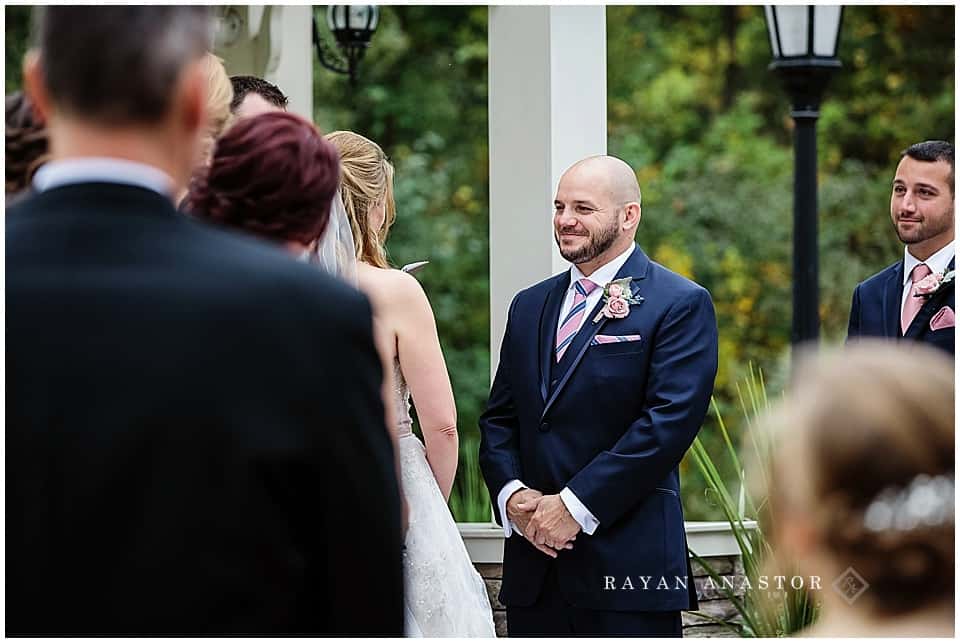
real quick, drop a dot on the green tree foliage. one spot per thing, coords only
(17, 36)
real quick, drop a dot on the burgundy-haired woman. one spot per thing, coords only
(273, 176)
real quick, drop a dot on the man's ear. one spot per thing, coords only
(189, 105)
(631, 215)
(35, 86)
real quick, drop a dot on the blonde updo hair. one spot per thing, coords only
(873, 417)
(219, 96)
(366, 180)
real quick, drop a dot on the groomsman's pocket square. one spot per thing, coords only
(614, 339)
(943, 319)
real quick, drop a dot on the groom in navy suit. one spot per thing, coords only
(914, 298)
(605, 374)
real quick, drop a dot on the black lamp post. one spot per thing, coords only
(804, 40)
(352, 27)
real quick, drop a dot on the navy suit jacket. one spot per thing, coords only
(187, 411)
(875, 311)
(611, 422)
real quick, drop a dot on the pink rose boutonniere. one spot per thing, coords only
(933, 282)
(617, 298)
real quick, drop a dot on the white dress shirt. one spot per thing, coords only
(937, 263)
(100, 169)
(601, 276)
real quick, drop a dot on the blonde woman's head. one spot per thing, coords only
(366, 187)
(219, 95)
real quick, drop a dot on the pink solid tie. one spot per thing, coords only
(913, 304)
(571, 324)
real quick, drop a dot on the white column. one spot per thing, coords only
(547, 110)
(293, 71)
(271, 42)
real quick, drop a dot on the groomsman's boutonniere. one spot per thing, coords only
(617, 298)
(932, 283)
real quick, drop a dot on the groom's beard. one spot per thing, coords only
(597, 245)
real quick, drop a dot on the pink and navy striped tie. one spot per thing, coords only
(570, 325)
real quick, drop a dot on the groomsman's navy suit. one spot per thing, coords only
(876, 307)
(611, 422)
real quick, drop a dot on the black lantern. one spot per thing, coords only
(804, 42)
(352, 27)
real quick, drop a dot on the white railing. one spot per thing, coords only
(484, 540)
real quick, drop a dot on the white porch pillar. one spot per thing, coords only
(547, 110)
(272, 42)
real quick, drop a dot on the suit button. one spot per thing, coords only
(544, 426)
(553, 382)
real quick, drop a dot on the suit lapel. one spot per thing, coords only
(548, 330)
(892, 304)
(636, 266)
(929, 308)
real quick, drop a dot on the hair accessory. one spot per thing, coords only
(926, 502)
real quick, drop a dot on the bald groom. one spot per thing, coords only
(605, 374)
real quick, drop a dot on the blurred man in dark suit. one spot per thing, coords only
(195, 434)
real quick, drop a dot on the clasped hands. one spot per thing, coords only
(542, 520)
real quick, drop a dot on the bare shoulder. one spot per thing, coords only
(392, 289)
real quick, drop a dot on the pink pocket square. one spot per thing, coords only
(943, 319)
(612, 339)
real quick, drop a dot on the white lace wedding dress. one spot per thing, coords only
(444, 594)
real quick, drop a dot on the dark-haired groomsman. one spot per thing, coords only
(253, 96)
(914, 298)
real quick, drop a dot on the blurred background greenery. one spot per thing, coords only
(693, 108)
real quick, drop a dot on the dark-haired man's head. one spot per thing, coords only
(932, 152)
(122, 81)
(253, 96)
(921, 204)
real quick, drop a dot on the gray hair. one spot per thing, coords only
(118, 64)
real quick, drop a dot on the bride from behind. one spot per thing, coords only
(444, 594)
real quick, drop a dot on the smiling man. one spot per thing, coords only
(914, 298)
(605, 374)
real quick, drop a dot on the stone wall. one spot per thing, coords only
(712, 601)
(492, 573)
